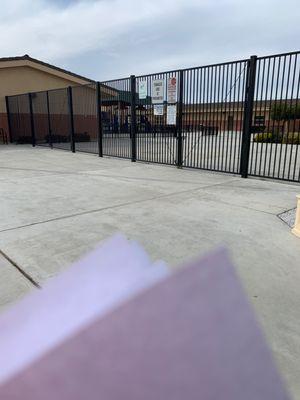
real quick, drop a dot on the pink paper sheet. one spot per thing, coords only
(191, 336)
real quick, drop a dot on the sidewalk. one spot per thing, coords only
(56, 206)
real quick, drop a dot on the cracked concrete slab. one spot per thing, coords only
(13, 285)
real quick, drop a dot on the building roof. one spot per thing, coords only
(26, 57)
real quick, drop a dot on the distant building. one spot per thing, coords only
(21, 75)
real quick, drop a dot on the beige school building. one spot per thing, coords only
(26, 74)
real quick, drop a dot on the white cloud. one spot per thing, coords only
(138, 36)
(50, 32)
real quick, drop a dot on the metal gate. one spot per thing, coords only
(41, 123)
(115, 106)
(19, 119)
(275, 134)
(156, 138)
(60, 119)
(213, 114)
(85, 118)
(240, 117)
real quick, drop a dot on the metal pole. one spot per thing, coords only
(31, 119)
(70, 104)
(99, 119)
(49, 121)
(8, 120)
(179, 121)
(248, 111)
(133, 118)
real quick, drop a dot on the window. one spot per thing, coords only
(259, 120)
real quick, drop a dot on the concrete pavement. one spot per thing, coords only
(55, 206)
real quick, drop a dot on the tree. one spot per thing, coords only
(285, 112)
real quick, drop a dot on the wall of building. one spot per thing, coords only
(23, 79)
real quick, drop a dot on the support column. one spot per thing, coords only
(296, 229)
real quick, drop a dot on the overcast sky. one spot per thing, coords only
(107, 39)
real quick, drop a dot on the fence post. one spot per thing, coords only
(99, 119)
(31, 119)
(179, 121)
(70, 104)
(133, 118)
(49, 121)
(248, 111)
(8, 120)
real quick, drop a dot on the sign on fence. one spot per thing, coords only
(142, 89)
(171, 115)
(240, 129)
(157, 91)
(172, 90)
(158, 109)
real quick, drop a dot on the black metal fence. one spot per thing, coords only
(115, 108)
(240, 117)
(275, 140)
(157, 141)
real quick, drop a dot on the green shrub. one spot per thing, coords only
(285, 111)
(291, 138)
(267, 137)
(287, 138)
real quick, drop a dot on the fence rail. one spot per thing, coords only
(240, 117)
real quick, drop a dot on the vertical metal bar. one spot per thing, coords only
(205, 116)
(179, 121)
(294, 119)
(195, 159)
(280, 79)
(234, 114)
(192, 141)
(294, 127)
(225, 133)
(254, 154)
(211, 103)
(31, 119)
(190, 135)
(242, 89)
(221, 108)
(273, 98)
(265, 115)
(153, 120)
(48, 119)
(8, 120)
(129, 144)
(167, 153)
(214, 115)
(133, 118)
(249, 97)
(238, 117)
(70, 105)
(288, 103)
(159, 148)
(99, 119)
(230, 115)
(159, 135)
(138, 122)
(218, 119)
(258, 109)
(189, 104)
(200, 119)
